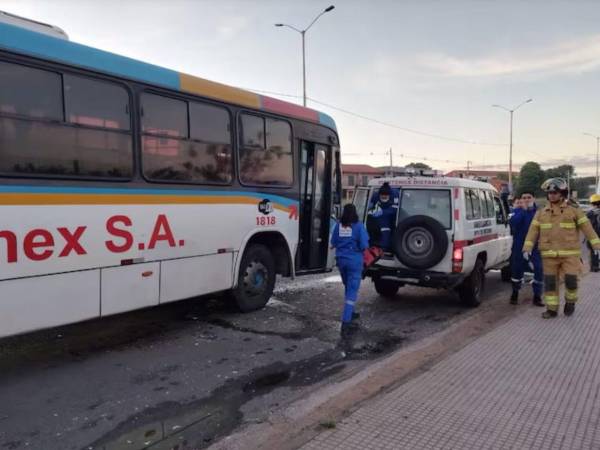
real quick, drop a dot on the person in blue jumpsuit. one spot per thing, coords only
(519, 223)
(350, 240)
(384, 209)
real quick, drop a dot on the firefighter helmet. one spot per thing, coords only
(555, 185)
(595, 198)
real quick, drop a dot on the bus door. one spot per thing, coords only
(316, 200)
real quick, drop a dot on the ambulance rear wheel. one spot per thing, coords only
(386, 288)
(471, 290)
(256, 279)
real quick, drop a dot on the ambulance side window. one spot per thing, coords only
(472, 204)
(499, 210)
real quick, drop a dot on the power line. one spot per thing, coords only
(408, 130)
(380, 122)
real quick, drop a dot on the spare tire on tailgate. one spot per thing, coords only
(420, 242)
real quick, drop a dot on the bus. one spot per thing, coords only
(125, 185)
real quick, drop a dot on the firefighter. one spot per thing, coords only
(594, 216)
(557, 226)
(519, 224)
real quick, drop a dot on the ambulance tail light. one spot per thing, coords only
(457, 256)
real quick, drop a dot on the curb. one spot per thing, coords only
(299, 422)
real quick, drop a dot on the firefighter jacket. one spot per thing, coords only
(557, 227)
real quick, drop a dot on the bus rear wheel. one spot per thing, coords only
(256, 279)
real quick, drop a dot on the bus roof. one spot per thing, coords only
(24, 41)
(430, 182)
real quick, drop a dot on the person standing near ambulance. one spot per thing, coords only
(384, 212)
(350, 239)
(594, 216)
(520, 222)
(557, 228)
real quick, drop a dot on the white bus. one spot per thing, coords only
(125, 185)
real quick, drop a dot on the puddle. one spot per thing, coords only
(199, 423)
(267, 381)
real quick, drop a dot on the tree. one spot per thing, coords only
(531, 177)
(418, 166)
(562, 171)
(582, 186)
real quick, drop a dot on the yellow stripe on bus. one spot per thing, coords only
(107, 199)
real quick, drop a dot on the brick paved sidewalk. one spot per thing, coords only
(528, 384)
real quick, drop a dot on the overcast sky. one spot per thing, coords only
(431, 66)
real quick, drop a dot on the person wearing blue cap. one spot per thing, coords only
(384, 212)
(350, 239)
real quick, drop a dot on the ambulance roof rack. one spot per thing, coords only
(33, 25)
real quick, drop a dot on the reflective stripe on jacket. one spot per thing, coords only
(558, 227)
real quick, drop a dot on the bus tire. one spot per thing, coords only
(387, 288)
(471, 290)
(256, 279)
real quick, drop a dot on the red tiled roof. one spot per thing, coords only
(479, 172)
(361, 168)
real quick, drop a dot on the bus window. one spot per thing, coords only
(164, 116)
(266, 155)
(168, 154)
(30, 92)
(41, 147)
(96, 103)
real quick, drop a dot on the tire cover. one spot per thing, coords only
(420, 242)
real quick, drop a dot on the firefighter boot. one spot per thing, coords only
(549, 314)
(569, 308)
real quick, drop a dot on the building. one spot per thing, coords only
(357, 175)
(495, 177)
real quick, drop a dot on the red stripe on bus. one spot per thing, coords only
(457, 214)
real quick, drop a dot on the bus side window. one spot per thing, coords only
(265, 155)
(99, 146)
(30, 92)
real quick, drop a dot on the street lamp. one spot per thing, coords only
(303, 33)
(511, 111)
(597, 158)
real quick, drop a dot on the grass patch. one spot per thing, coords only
(327, 424)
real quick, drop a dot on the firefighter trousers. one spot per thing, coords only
(555, 271)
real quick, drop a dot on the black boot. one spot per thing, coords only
(348, 329)
(514, 298)
(549, 314)
(569, 308)
(537, 300)
(355, 316)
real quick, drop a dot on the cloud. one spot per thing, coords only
(575, 56)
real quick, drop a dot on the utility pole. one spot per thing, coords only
(511, 111)
(303, 33)
(597, 159)
(391, 164)
(468, 168)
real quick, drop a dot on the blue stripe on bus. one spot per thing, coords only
(136, 191)
(47, 47)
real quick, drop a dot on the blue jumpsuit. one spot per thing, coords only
(386, 218)
(350, 243)
(520, 222)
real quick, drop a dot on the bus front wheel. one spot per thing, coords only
(256, 279)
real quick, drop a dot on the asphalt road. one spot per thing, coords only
(184, 375)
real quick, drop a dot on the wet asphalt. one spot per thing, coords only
(184, 375)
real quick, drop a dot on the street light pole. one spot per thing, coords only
(510, 153)
(597, 158)
(303, 34)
